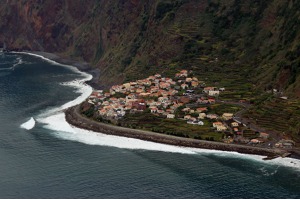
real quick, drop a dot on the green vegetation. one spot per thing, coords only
(219, 109)
(276, 114)
(176, 127)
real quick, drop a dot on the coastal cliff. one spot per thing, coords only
(129, 39)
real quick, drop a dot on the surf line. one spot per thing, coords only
(79, 84)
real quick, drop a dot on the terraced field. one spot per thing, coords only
(282, 116)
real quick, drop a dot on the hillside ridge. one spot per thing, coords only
(257, 40)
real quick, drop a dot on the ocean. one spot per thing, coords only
(42, 156)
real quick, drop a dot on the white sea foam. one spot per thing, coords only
(29, 124)
(288, 162)
(79, 84)
(63, 130)
(6, 69)
(74, 69)
(55, 120)
(19, 62)
(82, 88)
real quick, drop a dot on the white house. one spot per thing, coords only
(170, 116)
(227, 116)
(202, 115)
(221, 128)
(216, 124)
(234, 124)
(213, 93)
(200, 123)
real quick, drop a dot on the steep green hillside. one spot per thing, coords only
(254, 42)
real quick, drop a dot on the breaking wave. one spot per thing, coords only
(29, 124)
(287, 162)
(17, 62)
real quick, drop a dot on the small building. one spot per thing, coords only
(192, 111)
(184, 86)
(234, 124)
(139, 106)
(202, 115)
(212, 116)
(160, 111)
(216, 124)
(255, 141)
(154, 110)
(264, 135)
(186, 110)
(187, 117)
(107, 94)
(202, 101)
(200, 110)
(157, 76)
(170, 116)
(221, 128)
(184, 100)
(188, 80)
(214, 93)
(201, 123)
(194, 83)
(284, 98)
(227, 116)
(207, 89)
(190, 121)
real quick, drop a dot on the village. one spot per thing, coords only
(182, 98)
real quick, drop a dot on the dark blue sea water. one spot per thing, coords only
(53, 160)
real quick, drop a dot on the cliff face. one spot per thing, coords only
(254, 39)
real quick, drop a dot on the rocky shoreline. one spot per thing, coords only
(74, 118)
